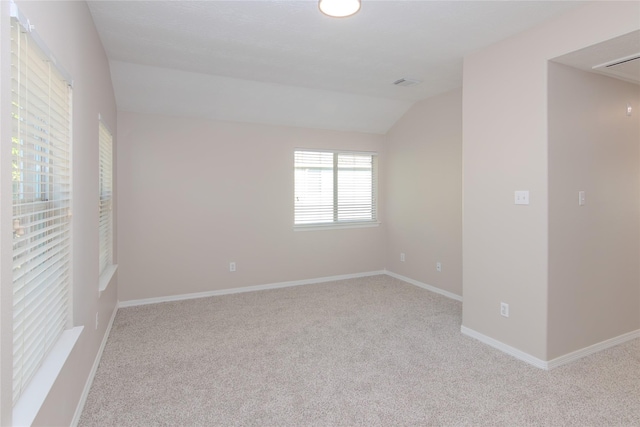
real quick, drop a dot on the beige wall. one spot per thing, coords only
(196, 194)
(67, 29)
(424, 192)
(594, 277)
(505, 247)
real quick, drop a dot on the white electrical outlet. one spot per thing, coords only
(438, 266)
(504, 309)
(402, 256)
(232, 266)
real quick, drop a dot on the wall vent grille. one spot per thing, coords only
(627, 68)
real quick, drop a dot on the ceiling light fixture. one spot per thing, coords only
(339, 8)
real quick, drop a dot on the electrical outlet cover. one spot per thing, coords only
(504, 309)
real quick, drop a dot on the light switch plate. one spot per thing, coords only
(522, 197)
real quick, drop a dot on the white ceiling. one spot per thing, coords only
(284, 62)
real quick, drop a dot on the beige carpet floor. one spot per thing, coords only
(362, 352)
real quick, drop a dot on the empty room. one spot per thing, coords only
(319, 213)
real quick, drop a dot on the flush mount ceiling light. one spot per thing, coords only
(339, 8)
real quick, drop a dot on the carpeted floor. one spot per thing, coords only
(363, 352)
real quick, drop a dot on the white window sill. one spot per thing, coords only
(106, 276)
(334, 226)
(29, 404)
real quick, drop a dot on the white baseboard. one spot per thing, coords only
(558, 361)
(132, 303)
(92, 373)
(424, 286)
(512, 351)
(587, 351)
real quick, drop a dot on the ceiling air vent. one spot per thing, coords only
(627, 68)
(407, 82)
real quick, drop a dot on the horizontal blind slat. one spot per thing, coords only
(105, 215)
(41, 175)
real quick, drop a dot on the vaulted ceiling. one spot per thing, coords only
(285, 63)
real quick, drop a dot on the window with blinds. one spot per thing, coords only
(335, 188)
(41, 178)
(105, 226)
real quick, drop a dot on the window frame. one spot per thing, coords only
(335, 222)
(106, 265)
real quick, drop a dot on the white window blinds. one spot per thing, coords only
(41, 178)
(105, 227)
(335, 188)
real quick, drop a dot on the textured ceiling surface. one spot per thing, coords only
(284, 62)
